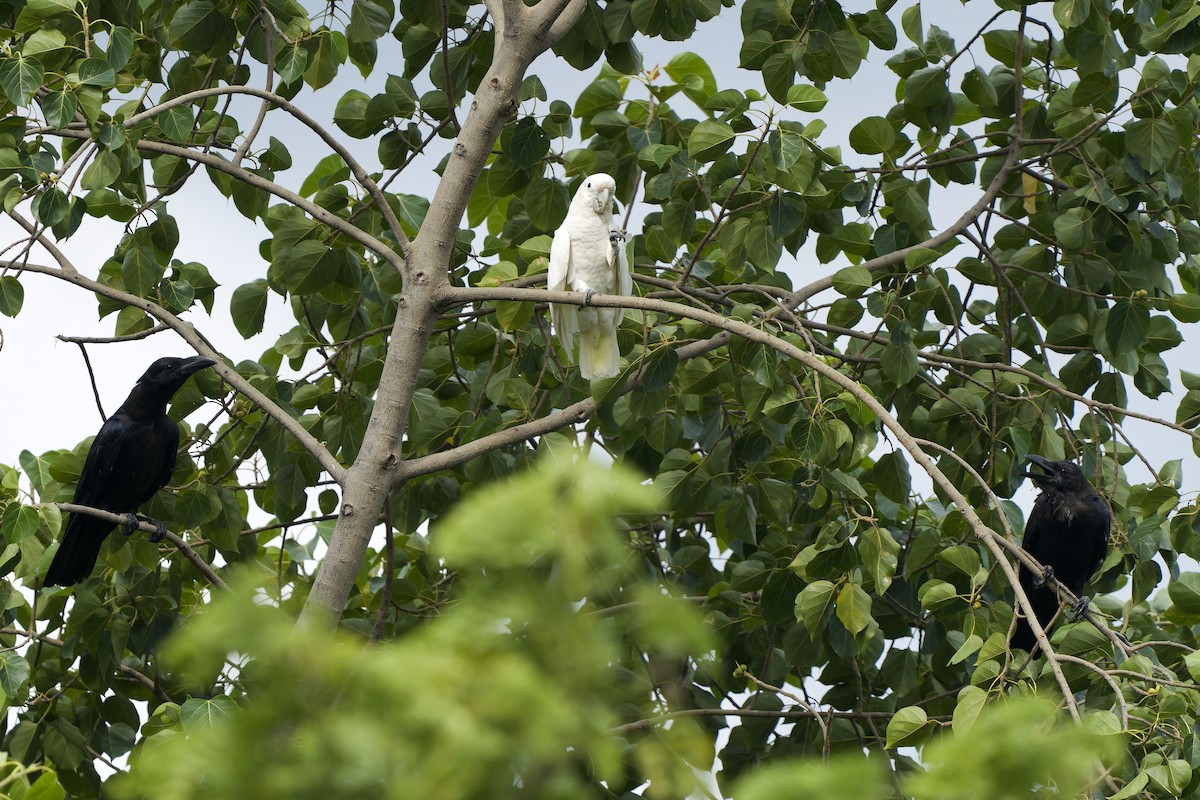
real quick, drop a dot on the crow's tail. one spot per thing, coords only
(1045, 604)
(78, 550)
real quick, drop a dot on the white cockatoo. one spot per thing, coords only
(588, 255)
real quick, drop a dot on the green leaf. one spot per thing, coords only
(46, 787)
(971, 702)
(176, 123)
(529, 143)
(1097, 90)
(399, 100)
(103, 171)
(1153, 142)
(44, 40)
(854, 608)
(178, 295)
(1184, 592)
(695, 76)
(658, 368)
(14, 671)
(309, 267)
(44, 9)
(328, 52)
(910, 23)
(841, 482)
(97, 72)
(546, 203)
(1071, 228)
(1135, 786)
(763, 248)
(979, 88)
(919, 258)
(140, 270)
(369, 19)
(51, 207)
(787, 145)
(803, 97)
(899, 361)
(852, 281)
(879, 553)
(962, 558)
(936, 593)
(20, 77)
(197, 714)
(1192, 661)
(892, 476)
(736, 519)
(59, 107)
(19, 522)
(969, 647)
(351, 115)
(926, 87)
(12, 296)
(909, 727)
(1127, 325)
(199, 26)
(1172, 777)
(291, 62)
(513, 315)
(812, 605)
(872, 135)
(120, 47)
(709, 140)
(1185, 307)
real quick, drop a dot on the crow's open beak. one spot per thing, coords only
(1044, 463)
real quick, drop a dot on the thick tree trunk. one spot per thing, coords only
(370, 478)
(523, 32)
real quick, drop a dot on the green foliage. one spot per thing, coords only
(515, 688)
(1017, 748)
(1013, 750)
(523, 612)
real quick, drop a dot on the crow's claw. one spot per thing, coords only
(133, 522)
(1079, 608)
(1046, 576)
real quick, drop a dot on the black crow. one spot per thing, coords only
(131, 458)
(1067, 532)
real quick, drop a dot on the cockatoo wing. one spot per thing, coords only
(624, 277)
(558, 279)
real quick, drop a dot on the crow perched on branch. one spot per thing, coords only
(131, 458)
(1067, 532)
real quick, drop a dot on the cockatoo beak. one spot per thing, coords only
(603, 198)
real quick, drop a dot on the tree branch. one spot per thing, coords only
(183, 547)
(269, 97)
(189, 334)
(315, 211)
(802, 294)
(791, 713)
